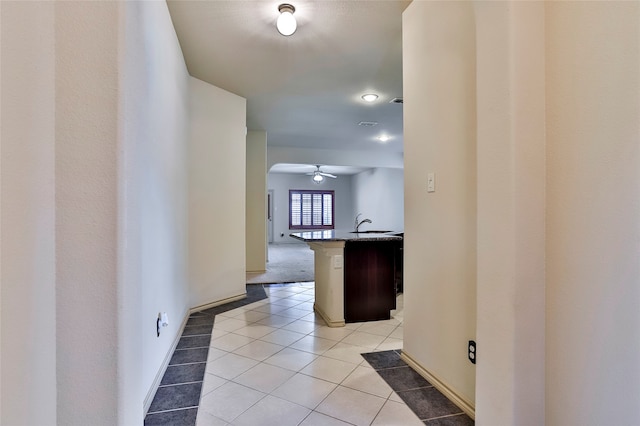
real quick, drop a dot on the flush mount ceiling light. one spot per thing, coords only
(369, 97)
(286, 23)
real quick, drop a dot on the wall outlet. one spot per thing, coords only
(471, 353)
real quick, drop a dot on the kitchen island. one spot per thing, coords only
(355, 274)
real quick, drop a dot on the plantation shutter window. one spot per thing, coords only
(311, 209)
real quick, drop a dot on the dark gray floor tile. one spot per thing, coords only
(200, 320)
(194, 342)
(197, 329)
(174, 397)
(186, 356)
(457, 420)
(403, 378)
(385, 359)
(185, 417)
(186, 373)
(428, 403)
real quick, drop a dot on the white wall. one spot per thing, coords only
(27, 231)
(558, 197)
(281, 183)
(217, 186)
(593, 211)
(379, 195)
(511, 149)
(153, 231)
(440, 227)
(256, 234)
(97, 138)
(86, 167)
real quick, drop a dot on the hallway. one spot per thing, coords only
(272, 361)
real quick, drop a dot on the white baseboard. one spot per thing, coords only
(163, 367)
(326, 319)
(218, 303)
(465, 405)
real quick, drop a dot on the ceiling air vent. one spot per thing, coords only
(368, 123)
(396, 101)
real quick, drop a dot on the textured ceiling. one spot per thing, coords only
(303, 90)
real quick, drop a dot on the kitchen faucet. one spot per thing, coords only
(361, 222)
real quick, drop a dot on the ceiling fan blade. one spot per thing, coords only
(328, 175)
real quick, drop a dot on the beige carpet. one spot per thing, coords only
(288, 263)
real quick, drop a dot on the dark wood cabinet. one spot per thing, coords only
(370, 279)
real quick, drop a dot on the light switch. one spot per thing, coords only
(337, 261)
(431, 182)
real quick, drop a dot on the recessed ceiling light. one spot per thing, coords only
(370, 97)
(368, 123)
(396, 101)
(383, 138)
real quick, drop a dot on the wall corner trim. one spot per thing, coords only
(465, 405)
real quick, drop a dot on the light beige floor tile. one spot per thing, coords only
(258, 350)
(375, 327)
(264, 377)
(291, 359)
(351, 406)
(230, 366)
(282, 337)
(319, 419)
(332, 370)
(255, 330)
(300, 326)
(271, 309)
(276, 321)
(251, 316)
(230, 342)
(211, 382)
(272, 411)
(215, 354)
(206, 419)
(398, 333)
(367, 340)
(396, 414)
(389, 344)
(315, 318)
(367, 380)
(395, 398)
(307, 306)
(304, 390)
(229, 401)
(289, 303)
(232, 313)
(347, 352)
(228, 324)
(215, 333)
(294, 313)
(316, 345)
(332, 333)
(302, 297)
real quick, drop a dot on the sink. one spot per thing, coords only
(370, 232)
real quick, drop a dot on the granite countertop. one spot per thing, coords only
(338, 235)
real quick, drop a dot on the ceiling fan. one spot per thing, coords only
(318, 175)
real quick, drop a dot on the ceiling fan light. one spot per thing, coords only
(286, 23)
(317, 177)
